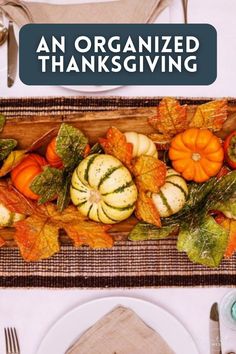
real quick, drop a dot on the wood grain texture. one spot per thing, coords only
(93, 124)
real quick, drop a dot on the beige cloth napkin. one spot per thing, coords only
(121, 331)
(120, 11)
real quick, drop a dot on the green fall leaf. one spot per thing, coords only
(143, 231)
(223, 190)
(47, 184)
(64, 192)
(228, 207)
(6, 146)
(70, 145)
(204, 241)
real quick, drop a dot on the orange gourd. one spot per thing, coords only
(197, 154)
(51, 155)
(24, 173)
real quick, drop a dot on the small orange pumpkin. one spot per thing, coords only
(197, 154)
(24, 173)
(51, 155)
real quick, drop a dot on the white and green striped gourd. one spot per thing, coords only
(103, 190)
(173, 194)
(142, 145)
(8, 218)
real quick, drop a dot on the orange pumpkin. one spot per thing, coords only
(51, 155)
(197, 154)
(24, 173)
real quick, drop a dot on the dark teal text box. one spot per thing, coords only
(205, 56)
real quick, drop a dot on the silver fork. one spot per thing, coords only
(11, 340)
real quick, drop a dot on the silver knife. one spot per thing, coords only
(215, 341)
(12, 54)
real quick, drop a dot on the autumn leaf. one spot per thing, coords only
(69, 215)
(63, 198)
(53, 183)
(13, 159)
(38, 236)
(70, 145)
(150, 173)
(210, 115)
(89, 233)
(6, 146)
(115, 144)
(143, 231)
(171, 118)
(83, 231)
(146, 210)
(230, 225)
(47, 184)
(12, 199)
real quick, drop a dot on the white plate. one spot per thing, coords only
(68, 328)
(91, 88)
(172, 14)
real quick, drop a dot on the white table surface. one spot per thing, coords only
(32, 312)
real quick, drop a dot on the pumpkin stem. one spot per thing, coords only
(95, 196)
(196, 156)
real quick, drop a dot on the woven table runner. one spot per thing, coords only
(127, 264)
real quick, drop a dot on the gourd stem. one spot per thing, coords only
(95, 196)
(196, 156)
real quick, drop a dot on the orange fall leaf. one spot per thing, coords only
(89, 233)
(38, 235)
(115, 144)
(37, 238)
(230, 225)
(14, 200)
(150, 173)
(83, 231)
(171, 118)
(146, 210)
(210, 115)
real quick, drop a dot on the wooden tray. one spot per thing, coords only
(127, 264)
(29, 128)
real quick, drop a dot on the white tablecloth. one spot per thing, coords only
(32, 312)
